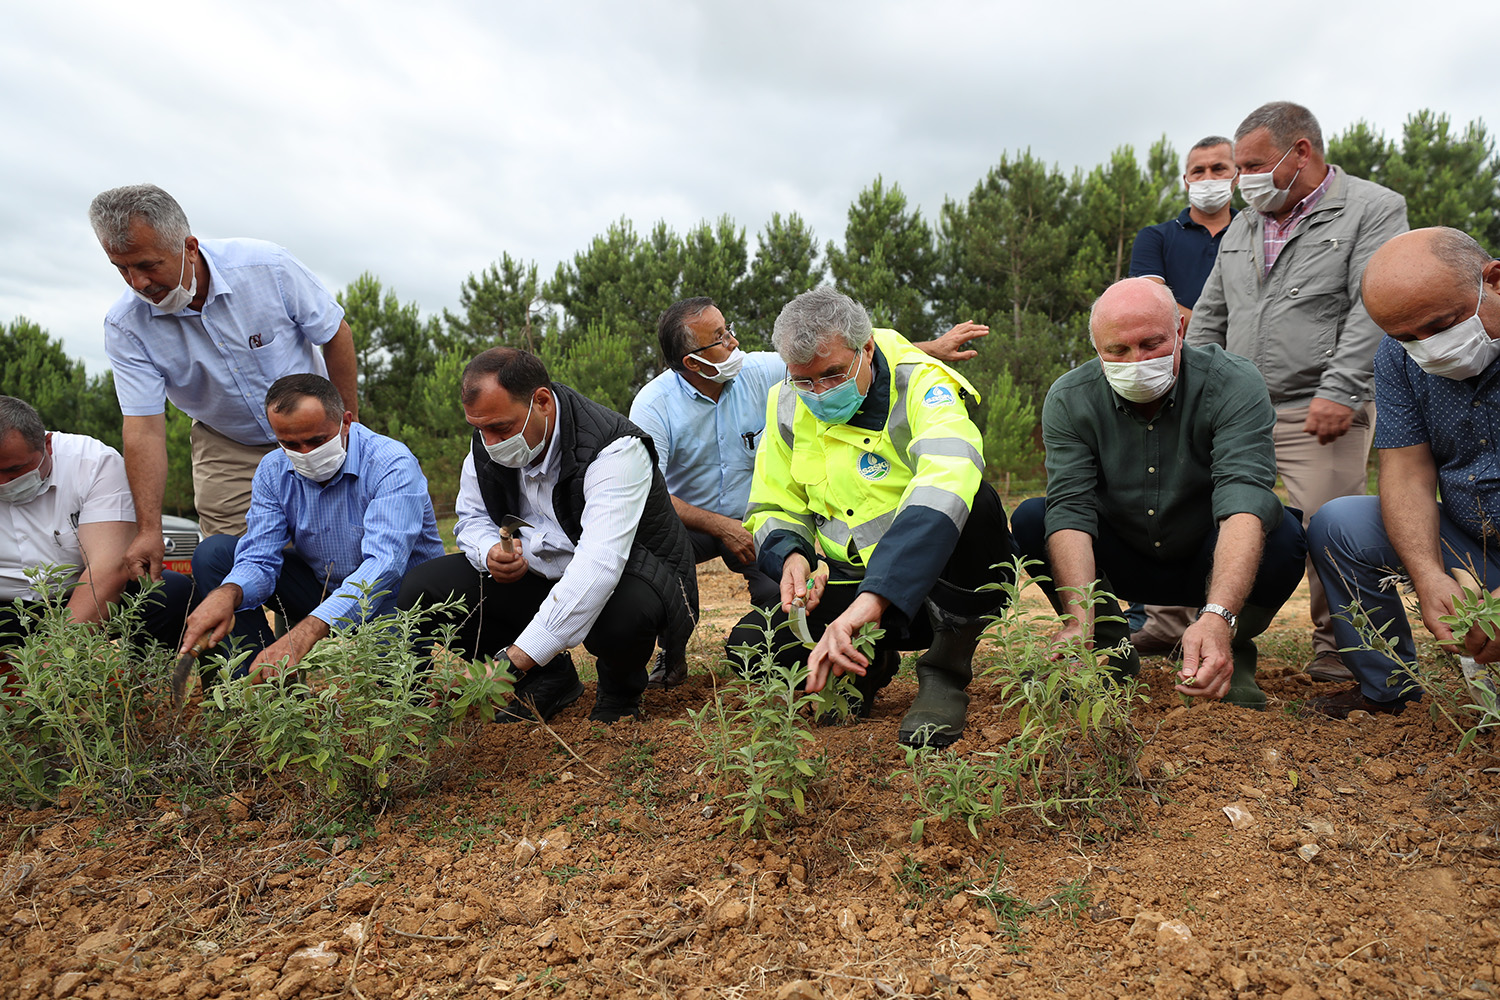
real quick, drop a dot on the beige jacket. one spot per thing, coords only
(1304, 324)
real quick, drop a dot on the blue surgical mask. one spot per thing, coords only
(838, 404)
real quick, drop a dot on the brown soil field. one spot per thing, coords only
(588, 861)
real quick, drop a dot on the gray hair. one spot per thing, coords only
(1286, 122)
(815, 316)
(19, 415)
(113, 211)
(1210, 141)
(1460, 253)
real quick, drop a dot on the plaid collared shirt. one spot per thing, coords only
(1278, 233)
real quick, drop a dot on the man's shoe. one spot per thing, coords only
(1339, 704)
(611, 708)
(940, 710)
(668, 672)
(1152, 645)
(1329, 667)
(543, 691)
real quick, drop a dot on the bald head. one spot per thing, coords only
(1133, 303)
(1425, 281)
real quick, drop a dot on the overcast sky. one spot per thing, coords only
(419, 141)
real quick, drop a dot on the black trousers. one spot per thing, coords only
(621, 639)
(764, 591)
(981, 556)
(1127, 573)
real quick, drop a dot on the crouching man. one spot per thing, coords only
(1160, 463)
(1436, 293)
(335, 510)
(869, 453)
(597, 554)
(65, 504)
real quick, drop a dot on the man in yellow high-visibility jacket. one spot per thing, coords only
(874, 460)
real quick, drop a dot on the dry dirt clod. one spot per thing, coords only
(800, 989)
(1172, 931)
(66, 984)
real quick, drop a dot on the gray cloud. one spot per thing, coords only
(420, 143)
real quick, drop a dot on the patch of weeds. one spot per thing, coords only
(1076, 752)
(564, 873)
(913, 881)
(1071, 901)
(358, 719)
(1009, 911)
(755, 736)
(83, 709)
(1464, 693)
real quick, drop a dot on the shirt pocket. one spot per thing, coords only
(275, 351)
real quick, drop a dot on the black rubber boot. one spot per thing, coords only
(937, 715)
(882, 670)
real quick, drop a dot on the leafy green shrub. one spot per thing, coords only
(358, 717)
(1461, 691)
(84, 707)
(755, 731)
(1076, 750)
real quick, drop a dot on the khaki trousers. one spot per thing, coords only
(222, 471)
(1314, 474)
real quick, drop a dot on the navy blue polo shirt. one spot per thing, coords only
(1180, 252)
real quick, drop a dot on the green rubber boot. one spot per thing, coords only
(937, 715)
(1243, 691)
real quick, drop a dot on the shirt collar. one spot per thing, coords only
(1185, 220)
(691, 392)
(1307, 204)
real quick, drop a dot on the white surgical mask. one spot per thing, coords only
(514, 452)
(1143, 381)
(1260, 190)
(1210, 195)
(723, 370)
(1459, 352)
(25, 487)
(177, 299)
(322, 463)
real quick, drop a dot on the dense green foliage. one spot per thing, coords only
(1025, 252)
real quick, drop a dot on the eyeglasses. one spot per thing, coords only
(728, 335)
(818, 386)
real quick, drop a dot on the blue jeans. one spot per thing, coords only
(1352, 555)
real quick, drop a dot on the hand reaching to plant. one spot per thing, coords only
(1207, 663)
(211, 621)
(836, 653)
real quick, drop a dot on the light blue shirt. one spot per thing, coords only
(706, 450)
(265, 317)
(370, 524)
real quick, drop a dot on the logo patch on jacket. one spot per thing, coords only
(939, 395)
(873, 467)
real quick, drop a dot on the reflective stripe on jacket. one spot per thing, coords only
(848, 488)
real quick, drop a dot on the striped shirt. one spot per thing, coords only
(369, 525)
(1278, 234)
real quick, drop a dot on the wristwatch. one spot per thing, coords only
(1222, 612)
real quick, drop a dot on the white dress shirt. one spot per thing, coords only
(87, 486)
(615, 488)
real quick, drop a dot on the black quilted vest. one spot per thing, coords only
(661, 555)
